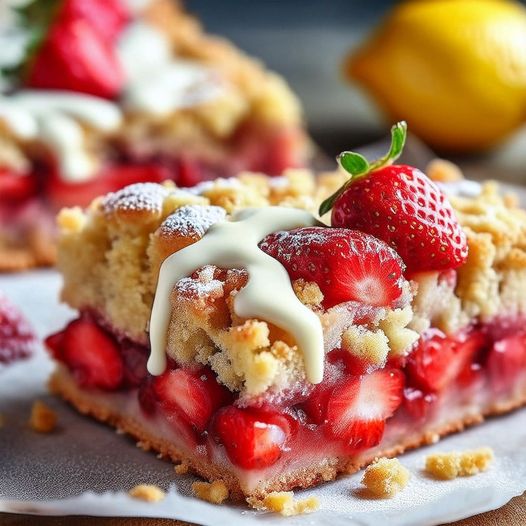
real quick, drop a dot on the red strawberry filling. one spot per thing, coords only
(350, 411)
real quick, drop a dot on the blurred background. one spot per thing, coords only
(307, 40)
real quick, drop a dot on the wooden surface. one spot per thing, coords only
(512, 514)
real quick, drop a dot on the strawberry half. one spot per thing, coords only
(401, 206)
(253, 439)
(347, 265)
(73, 56)
(358, 408)
(438, 359)
(106, 17)
(90, 353)
(192, 395)
(17, 339)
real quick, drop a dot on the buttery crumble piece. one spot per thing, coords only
(43, 419)
(385, 477)
(181, 469)
(283, 502)
(215, 492)
(455, 464)
(147, 492)
(443, 171)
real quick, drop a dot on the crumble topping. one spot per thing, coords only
(42, 419)
(455, 464)
(111, 267)
(283, 502)
(444, 171)
(493, 280)
(214, 492)
(181, 469)
(147, 492)
(385, 477)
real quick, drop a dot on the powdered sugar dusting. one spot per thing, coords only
(192, 221)
(138, 197)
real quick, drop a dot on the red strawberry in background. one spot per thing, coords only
(347, 265)
(17, 339)
(16, 187)
(107, 17)
(401, 206)
(73, 56)
(110, 179)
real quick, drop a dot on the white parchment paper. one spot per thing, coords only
(86, 468)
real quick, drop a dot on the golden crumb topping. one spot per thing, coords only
(42, 419)
(147, 492)
(493, 280)
(181, 469)
(214, 492)
(385, 477)
(284, 503)
(455, 464)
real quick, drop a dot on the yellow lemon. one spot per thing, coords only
(454, 69)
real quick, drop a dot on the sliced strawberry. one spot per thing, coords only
(107, 17)
(193, 396)
(253, 439)
(438, 360)
(352, 364)
(285, 150)
(110, 179)
(417, 403)
(90, 353)
(16, 186)
(17, 339)
(74, 57)
(358, 408)
(316, 404)
(347, 265)
(507, 359)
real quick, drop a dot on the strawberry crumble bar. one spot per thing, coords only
(113, 92)
(194, 305)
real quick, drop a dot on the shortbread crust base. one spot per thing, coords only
(62, 384)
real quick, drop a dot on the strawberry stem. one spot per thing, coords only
(358, 166)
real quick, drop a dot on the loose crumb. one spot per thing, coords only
(455, 464)
(147, 492)
(385, 477)
(43, 419)
(181, 469)
(283, 502)
(215, 492)
(444, 171)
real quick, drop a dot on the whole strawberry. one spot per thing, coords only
(401, 206)
(347, 265)
(73, 56)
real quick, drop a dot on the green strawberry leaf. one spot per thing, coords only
(358, 166)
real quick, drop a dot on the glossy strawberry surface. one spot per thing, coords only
(347, 265)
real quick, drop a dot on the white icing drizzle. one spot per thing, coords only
(53, 118)
(157, 83)
(268, 294)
